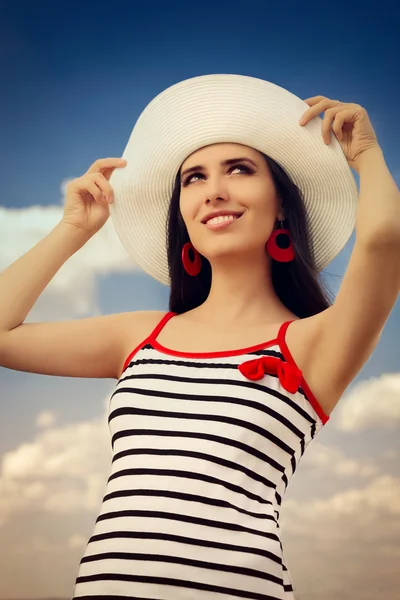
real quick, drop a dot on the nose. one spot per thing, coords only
(216, 192)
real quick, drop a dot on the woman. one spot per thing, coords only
(208, 421)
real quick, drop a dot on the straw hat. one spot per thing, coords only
(210, 109)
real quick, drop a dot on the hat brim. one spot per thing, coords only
(211, 109)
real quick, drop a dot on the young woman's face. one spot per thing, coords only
(244, 186)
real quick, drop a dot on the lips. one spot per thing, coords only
(221, 214)
(223, 224)
(235, 218)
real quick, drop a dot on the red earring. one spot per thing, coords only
(284, 254)
(192, 267)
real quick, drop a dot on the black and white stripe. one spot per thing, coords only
(202, 458)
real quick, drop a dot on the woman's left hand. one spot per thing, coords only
(351, 126)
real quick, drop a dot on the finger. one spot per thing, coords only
(107, 170)
(338, 125)
(109, 192)
(314, 100)
(315, 110)
(103, 183)
(97, 194)
(104, 164)
(327, 121)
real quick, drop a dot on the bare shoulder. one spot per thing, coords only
(137, 327)
(303, 340)
(91, 347)
(302, 336)
(139, 324)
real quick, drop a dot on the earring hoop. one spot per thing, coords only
(279, 245)
(191, 266)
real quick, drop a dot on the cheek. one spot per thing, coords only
(260, 205)
(189, 208)
(186, 219)
(265, 200)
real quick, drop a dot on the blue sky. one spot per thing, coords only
(75, 77)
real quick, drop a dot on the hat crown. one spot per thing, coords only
(217, 108)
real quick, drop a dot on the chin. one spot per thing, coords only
(219, 248)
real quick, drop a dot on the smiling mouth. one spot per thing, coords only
(221, 222)
(222, 219)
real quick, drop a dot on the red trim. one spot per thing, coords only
(161, 324)
(150, 338)
(289, 358)
(218, 354)
(279, 341)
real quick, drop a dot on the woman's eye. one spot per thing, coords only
(189, 179)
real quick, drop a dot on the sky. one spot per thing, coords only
(75, 78)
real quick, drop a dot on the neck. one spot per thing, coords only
(242, 292)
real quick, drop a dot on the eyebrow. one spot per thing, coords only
(224, 163)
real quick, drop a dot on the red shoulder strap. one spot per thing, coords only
(289, 358)
(150, 337)
(282, 341)
(160, 325)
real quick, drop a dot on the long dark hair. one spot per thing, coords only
(296, 283)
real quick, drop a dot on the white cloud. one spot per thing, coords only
(77, 541)
(346, 542)
(72, 292)
(391, 454)
(371, 403)
(63, 470)
(333, 461)
(46, 418)
(371, 512)
(61, 476)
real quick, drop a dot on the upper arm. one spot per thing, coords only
(92, 347)
(349, 330)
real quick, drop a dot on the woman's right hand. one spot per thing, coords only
(88, 197)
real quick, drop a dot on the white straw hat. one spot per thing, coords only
(245, 110)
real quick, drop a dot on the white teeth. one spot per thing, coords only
(223, 218)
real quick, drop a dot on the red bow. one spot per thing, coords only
(289, 375)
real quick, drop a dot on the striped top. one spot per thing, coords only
(204, 446)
